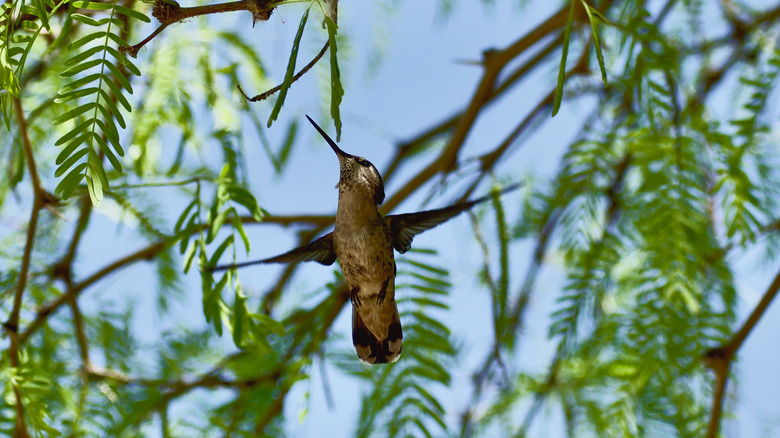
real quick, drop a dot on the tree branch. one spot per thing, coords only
(329, 309)
(408, 147)
(493, 64)
(46, 310)
(81, 336)
(719, 359)
(170, 12)
(64, 268)
(12, 325)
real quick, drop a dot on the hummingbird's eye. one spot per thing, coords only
(363, 162)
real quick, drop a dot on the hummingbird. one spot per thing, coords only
(363, 241)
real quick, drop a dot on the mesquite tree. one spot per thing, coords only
(121, 106)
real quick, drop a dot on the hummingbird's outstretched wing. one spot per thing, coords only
(320, 251)
(403, 227)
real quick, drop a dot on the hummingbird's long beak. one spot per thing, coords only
(330, 141)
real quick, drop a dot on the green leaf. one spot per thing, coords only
(212, 304)
(238, 226)
(81, 18)
(80, 68)
(336, 90)
(432, 280)
(426, 410)
(75, 131)
(266, 321)
(120, 97)
(75, 112)
(70, 162)
(189, 257)
(41, 12)
(107, 150)
(117, 39)
(114, 22)
(217, 224)
(428, 289)
(430, 398)
(114, 109)
(220, 250)
(425, 301)
(109, 128)
(111, 134)
(429, 268)
(596, 41)
(288, 76)
(562, 67)
(190, 228)
(91, 5)
(245, 198)
(96, 168)
(70, 182)
(132, 13)
(119, 76)
(239, 318)
(70, 147)
(247, 50)
(184, 215)
(78, 83)
(95, 188)
(432, 324)
(75, 94)
(123, 60)
(86, 39)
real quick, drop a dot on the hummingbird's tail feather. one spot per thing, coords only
(372, 350)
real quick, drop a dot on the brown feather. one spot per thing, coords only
(372, 349)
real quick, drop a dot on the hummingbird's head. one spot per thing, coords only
(357, 173)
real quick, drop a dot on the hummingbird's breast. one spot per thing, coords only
(364, 252)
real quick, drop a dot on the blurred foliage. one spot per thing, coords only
(656, 192)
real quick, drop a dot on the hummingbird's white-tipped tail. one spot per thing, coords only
(372, 350)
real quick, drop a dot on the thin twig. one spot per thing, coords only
(306, 68)
(133, 50)
(320, 221)
(64, 268)
(81, 336)
(539, 397)
(719, 359)
(159, 184)
(12, 325)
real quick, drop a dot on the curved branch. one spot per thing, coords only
(719, 359)
(12, 325)
(72, 293)
(147, 253)
(494, 61)
(306, 68)
(408, 147)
